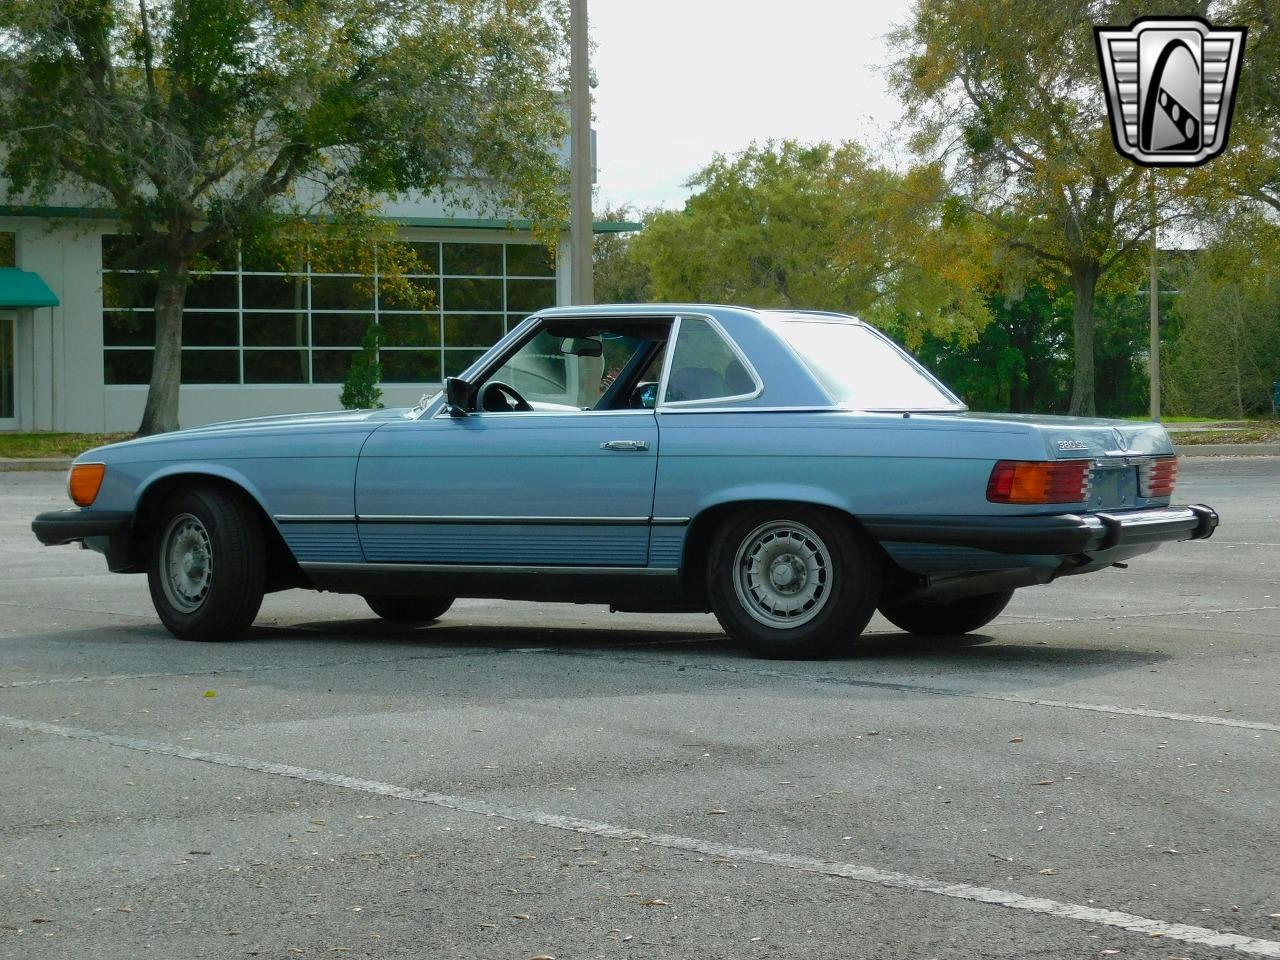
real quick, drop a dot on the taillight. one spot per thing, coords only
(1157, 476)
(83, 482)
(1034, 481)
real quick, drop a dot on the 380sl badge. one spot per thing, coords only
(1072, 445)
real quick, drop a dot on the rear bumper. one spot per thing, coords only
(1052, 534)
(67, 526)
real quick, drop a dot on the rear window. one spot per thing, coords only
(859, 368)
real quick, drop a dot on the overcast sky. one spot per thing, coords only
(682, 79)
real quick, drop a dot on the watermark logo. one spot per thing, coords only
(1171, 84)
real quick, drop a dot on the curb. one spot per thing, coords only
(1228, 450)
(54, 464)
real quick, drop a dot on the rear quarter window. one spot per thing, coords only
(704, 366)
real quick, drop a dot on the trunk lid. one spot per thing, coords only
(1118, 448)
(1081, 438)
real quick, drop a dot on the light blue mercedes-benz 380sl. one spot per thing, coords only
(791, 472)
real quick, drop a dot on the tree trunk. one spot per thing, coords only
(1084, 281)
(161, 412)
(1235, 338)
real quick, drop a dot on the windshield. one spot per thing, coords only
(862, 369)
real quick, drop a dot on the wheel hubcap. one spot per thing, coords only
(782, 574)
(187, 558)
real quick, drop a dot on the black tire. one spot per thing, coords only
(409, 609)
(951, 618)
(848, 580)
(230, 581)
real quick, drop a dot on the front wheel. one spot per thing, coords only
(947, 618)
(792, 582)
(208, 571)
(409, 609)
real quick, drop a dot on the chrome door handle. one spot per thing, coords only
(633, 445)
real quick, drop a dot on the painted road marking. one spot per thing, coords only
(851, 871)
(109, 678)
(263, 668)
(941, 691)
(828, 679)
(1143, 616)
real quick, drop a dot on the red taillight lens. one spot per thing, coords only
(1157, 476)
(1030, 481)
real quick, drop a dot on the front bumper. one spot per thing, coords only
(67, 526)
(1051, 534)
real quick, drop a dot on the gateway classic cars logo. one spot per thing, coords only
(1171, 83)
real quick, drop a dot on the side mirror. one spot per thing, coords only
(582, 347)
(457, 396)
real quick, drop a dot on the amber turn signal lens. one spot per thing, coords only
(1029, 481)
(83, 482)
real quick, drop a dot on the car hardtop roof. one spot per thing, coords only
(621, 310)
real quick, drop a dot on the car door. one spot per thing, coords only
(571, 489)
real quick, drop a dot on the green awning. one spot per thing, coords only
(22, 288)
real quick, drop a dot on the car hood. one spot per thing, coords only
(258, 428)
(301, 419)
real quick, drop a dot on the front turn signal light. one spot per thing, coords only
(1032, 481)
(84, 481)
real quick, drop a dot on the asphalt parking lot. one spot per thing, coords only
(1101, 778)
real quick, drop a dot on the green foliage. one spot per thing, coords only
(1021, 362)
(1251, 167)
(205, 121)
(1008, 94)
(619, 276)
(360, 391)
(1123, 341)
(1227, 354)
(821, 227)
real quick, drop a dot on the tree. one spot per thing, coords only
(1007, 95)
(1227, 355)
(619, 276)
(204, 122)
(1253, 162)
(822, 227)
(361, 390)
(1021, 360)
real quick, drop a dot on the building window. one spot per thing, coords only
(8, 249)
(245, 321)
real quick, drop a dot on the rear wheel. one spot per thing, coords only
(409, 609)
(947, 618)
(208, 564)
(792, 582)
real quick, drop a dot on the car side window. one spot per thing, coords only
(704, 366)
(575, 368)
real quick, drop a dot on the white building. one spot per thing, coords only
(76, 333)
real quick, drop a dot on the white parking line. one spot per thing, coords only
(852, 871)
(828, 679)
(109, 678)
(831, 679)
(1142, 616)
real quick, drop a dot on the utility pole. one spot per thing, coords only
(580, 234)
(1154, 306)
